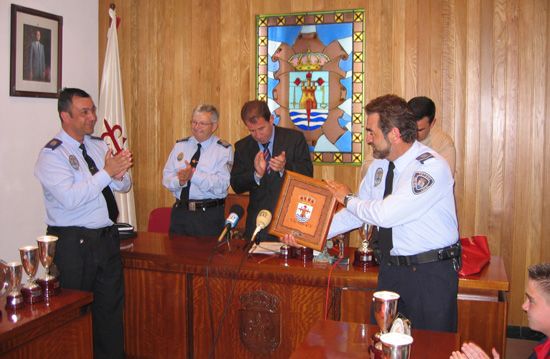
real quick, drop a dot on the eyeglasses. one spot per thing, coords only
(200, 124)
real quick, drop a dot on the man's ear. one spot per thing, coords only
(394, 135)
(433, 122)
(65, 116)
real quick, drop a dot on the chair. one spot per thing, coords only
(159, 220)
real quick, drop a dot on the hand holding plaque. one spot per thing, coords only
(304, 210)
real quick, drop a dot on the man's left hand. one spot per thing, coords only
(278, 163)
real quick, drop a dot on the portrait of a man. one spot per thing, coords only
(37, 53)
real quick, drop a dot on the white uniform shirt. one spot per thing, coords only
(72, 196)
(420, 210)
(211, 177)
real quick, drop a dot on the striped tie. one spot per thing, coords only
(267, 156)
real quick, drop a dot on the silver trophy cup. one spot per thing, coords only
(14, 299)
(396, 345)
(385, 311)
(46, 252)
(32, 293)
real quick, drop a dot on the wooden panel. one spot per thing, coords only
(155, 315)
(483, 62)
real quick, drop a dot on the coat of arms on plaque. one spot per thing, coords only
(310, 70)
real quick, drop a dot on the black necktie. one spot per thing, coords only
(184, 196)
(267, 156)
(107, 193)
(384, 236)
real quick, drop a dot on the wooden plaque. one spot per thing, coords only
(304, 209)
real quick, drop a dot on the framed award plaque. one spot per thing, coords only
(304, 209)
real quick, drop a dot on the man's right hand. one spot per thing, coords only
(186, 173)
(117, 165)
(260, 164)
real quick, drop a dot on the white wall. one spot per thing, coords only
(26, 124)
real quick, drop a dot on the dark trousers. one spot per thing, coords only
(207, 222)
(89, 260)
(428, 293)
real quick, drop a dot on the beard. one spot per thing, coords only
(381, 153)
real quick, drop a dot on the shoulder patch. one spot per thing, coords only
(96, 138)
(421, 182)
(378, 176)
(224, 143)
(424, 157)
(183, 139)
(53, 144)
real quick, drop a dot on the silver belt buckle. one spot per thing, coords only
(191, 206)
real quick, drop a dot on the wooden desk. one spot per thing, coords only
(330, 339)
(60, 328)
(272, 305)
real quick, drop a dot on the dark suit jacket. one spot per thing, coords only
(265, 195)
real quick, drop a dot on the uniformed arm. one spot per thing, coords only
(170, 178)
(403, 206)
(242, 173)
(58, 179)
(123, 185)
(300, 161)
(218, 182)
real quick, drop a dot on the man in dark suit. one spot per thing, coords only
(261, 160)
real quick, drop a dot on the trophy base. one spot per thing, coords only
(14, 301)
(303, 253)
(49, 287)
(284, 252)
(376, 351)
(364, 259)
(32, 295)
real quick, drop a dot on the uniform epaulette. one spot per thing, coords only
(424, 157)
(53, 144)
(96, 138)
(183, 139)
(224, 143)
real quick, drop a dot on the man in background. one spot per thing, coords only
(78, 173)
(197, 174)
(261, 160)
(537, 307)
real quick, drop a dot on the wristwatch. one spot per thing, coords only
(347, 198)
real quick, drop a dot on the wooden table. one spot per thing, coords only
(60, 328)
(178, 289)
(331, 339)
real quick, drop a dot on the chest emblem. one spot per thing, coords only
(421, 182)
(180, 156)
(378, 176)
(74, 162)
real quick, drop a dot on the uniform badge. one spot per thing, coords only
(74, 162)
(304, 208)
(378, 176)
(180, 156)
(421, 181)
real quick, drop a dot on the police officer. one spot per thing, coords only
(197, 174)
(408, 193)
(78, 174)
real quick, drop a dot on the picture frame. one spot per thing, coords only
(305, 209)
(35, 53)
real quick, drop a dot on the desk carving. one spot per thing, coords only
(260, 322)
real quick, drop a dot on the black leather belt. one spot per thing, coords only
(434, 255)
(201, 205)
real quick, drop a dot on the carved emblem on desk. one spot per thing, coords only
(260, 322)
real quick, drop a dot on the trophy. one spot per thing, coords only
(32, 293)
(364, 255)
(46, 251)
(14, 299)
(396, 345)
(3, 277)
(385, 311)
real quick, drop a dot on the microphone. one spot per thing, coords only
(262, 220)
(235, 213)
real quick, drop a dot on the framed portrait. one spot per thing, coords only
(305, 209)
(35, 58)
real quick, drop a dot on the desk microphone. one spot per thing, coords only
(235, 213)
(262, 220)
